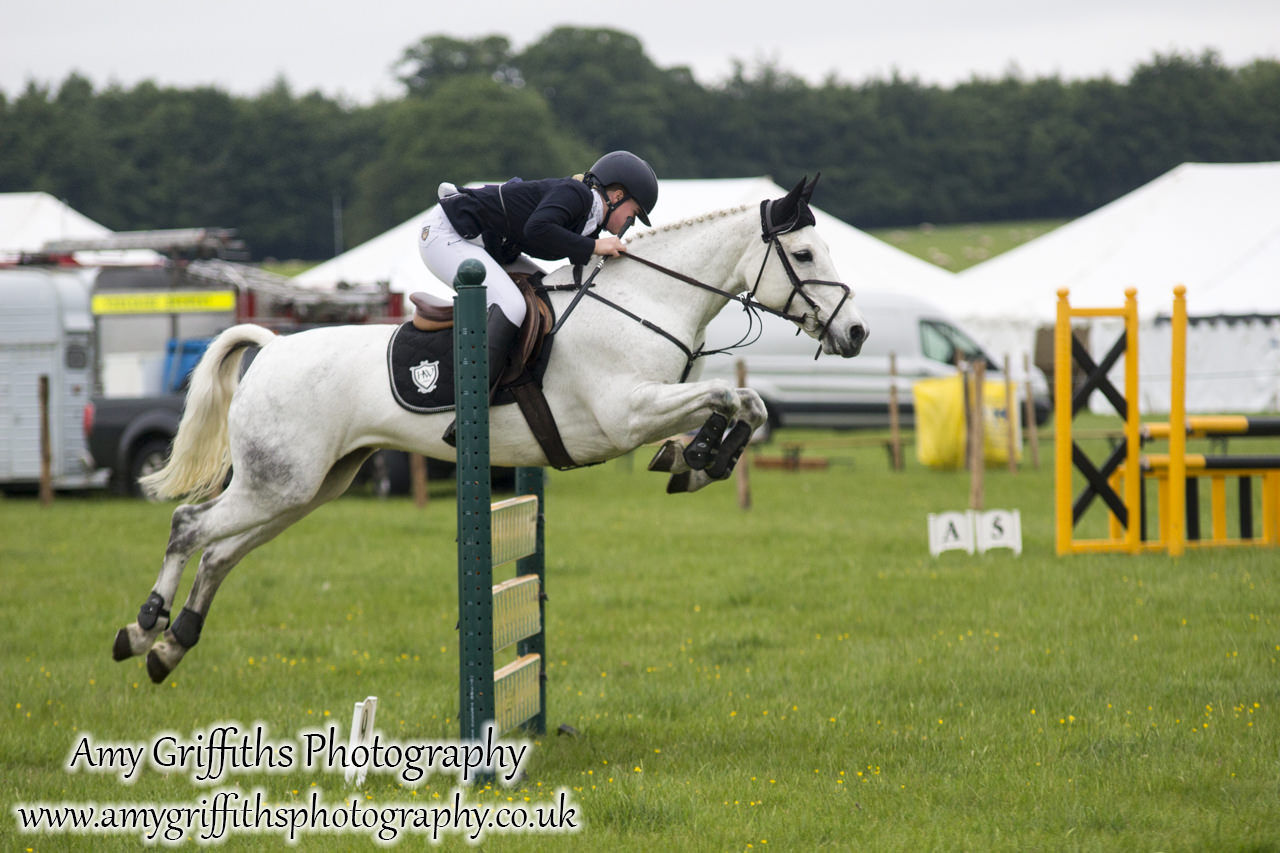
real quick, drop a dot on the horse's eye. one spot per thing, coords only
(804, 256)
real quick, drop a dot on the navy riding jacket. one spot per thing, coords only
(542, 218)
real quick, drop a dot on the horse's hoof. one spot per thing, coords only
(157, 669)
(665, 459)
(679, 483)
(122, 649)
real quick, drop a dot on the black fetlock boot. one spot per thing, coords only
(502, 334)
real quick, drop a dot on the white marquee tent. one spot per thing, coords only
(29, 220)
(862, 260)
(1214, 228)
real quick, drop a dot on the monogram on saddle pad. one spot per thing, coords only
(420, 364)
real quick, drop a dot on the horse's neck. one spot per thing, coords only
(710, 250)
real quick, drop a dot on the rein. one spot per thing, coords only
(585, 289)
(749, 302)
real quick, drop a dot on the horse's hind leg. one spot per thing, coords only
(153, 617)
(222, 556)
(215, 564)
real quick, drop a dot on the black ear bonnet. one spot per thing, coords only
(789, 213)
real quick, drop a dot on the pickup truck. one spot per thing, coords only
(131, 437)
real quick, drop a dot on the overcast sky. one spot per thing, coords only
(347, 49)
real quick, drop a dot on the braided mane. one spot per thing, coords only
(693, 220)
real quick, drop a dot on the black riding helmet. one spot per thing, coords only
(635, 175)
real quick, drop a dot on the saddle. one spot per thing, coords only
(521, 378)
(429, 316)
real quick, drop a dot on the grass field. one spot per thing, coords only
(957, 247)
(802, 676)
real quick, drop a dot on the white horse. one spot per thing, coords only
(313, 406)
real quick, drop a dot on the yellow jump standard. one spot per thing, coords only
(1118, 481)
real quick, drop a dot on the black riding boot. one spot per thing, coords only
(502, 335)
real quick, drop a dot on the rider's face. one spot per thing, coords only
(613, 222)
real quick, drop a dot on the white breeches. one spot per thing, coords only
(443, 250)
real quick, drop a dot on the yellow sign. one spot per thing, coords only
(173, 302)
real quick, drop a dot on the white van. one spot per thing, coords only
(847, 393)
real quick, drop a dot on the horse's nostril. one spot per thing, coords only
(857, 333)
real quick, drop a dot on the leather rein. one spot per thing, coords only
(770, 233)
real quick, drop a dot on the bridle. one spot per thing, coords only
(771, 233)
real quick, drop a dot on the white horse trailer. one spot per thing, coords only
(46, 329)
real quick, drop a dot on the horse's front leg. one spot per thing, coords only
(662, 410)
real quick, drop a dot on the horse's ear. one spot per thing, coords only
(807, 192)
(788, 213)
(786, 206)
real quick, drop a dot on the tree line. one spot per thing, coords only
(283, 167)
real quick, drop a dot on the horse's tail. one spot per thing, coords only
(201, 455)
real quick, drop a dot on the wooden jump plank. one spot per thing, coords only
(515, 528)
(1203, 426)
(517, 695)
(516, 614)
(1239, 465)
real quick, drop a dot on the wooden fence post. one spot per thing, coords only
(1011, 416)
(1033, 432)
(418, 479)
(895, 433)
(977, 440)
(46, 449)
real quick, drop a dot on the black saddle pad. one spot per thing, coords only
(421, 368)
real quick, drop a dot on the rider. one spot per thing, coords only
(552, 219)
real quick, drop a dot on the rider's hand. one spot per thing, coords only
(610, 246)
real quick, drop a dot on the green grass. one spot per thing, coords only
(802, 676)
(957, 247)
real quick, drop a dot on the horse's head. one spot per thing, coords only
(797, 278)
